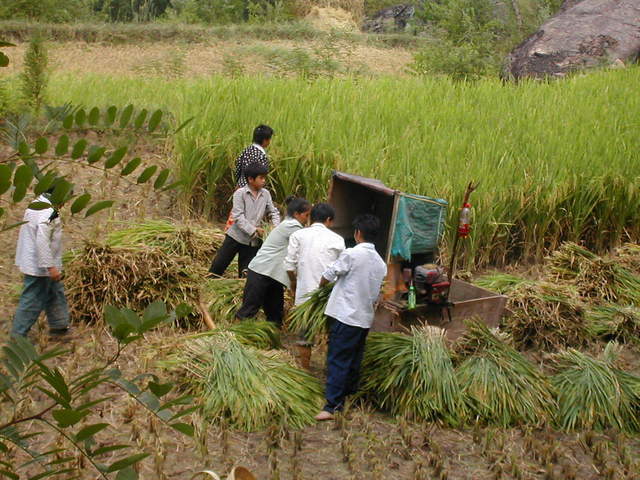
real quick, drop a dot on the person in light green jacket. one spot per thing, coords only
(267, 277)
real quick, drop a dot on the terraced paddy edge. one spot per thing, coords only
(556, 161)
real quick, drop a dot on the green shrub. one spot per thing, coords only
(45, 10)
(34, 78)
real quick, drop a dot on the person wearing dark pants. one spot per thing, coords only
(262, 291)
(250, 206)
(358, 274)
(267, 277)
(344, 358)
(39, 257)
(226, 253)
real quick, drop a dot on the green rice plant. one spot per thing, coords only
(499, 385)
(542, 315)
(223, 297)
(594, 394)
(535, 191)
(249, 388)
(615, 322)
(597, 278)
(262, 335)
(192, 241)
(413, 375)
(308, 318)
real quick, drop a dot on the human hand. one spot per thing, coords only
(55, 274)
(259, 232)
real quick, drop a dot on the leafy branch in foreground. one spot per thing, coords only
(70, 402)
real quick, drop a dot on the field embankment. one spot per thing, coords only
(556, 161)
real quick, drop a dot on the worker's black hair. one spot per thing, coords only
(296, 205)
(262, 133)
(254, 170)
(321, 212)
(368, 225)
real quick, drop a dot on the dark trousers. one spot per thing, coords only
(346, 349)
(263, 292)
(226, 253)
(41, 293)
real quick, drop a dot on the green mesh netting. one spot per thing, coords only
(419, 225)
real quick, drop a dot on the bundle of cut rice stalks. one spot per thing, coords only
(628, 255)
(499, 385)
(615, 322)
(413, 375)
(602, 280)
(127, 277)
(251, 389)
(593, 393)
(544, 315)
(308, 318)
(223, 297)
(191, 241)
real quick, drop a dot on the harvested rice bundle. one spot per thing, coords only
(126, 277)
(597, 278)
(223, 297)
(593, 393)
(615, 322)
(628, 256)
(309, 316)
(413, 375)
(544, 315)
(192, 241)
(258, 334)
(249, 388)
(499, 385)
(500, 282)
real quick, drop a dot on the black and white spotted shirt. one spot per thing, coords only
(252, 154)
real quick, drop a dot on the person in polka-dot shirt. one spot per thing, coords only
(254, 153)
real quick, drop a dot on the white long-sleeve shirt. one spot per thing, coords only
(358, 273)
(311, 251)
(39, 242)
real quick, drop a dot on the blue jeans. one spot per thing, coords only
(40, 293)
(346, 349)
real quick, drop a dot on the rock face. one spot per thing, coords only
(583, 34)
(391, 19)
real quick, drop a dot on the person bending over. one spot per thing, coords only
(267, 278)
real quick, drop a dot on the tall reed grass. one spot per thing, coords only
(556, 161)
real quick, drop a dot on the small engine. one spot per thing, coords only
(431, 283)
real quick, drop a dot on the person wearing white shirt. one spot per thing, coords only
(358, 275)
(39, 258)
(311, 251)
(266, 277)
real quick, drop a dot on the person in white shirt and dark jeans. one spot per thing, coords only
(358, 275)
(311, 251)
(39, 257)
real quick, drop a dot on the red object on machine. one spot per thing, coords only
(464, 227)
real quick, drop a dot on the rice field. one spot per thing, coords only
(556, 161)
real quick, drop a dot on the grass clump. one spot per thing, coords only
(544, 315)
(223, 297)
(593, 393)
(131, 277)
(499, 385)
(615, 322)
(308, 318)
(597, 278)
(413, 375)
(249, 388)
(192, 241)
